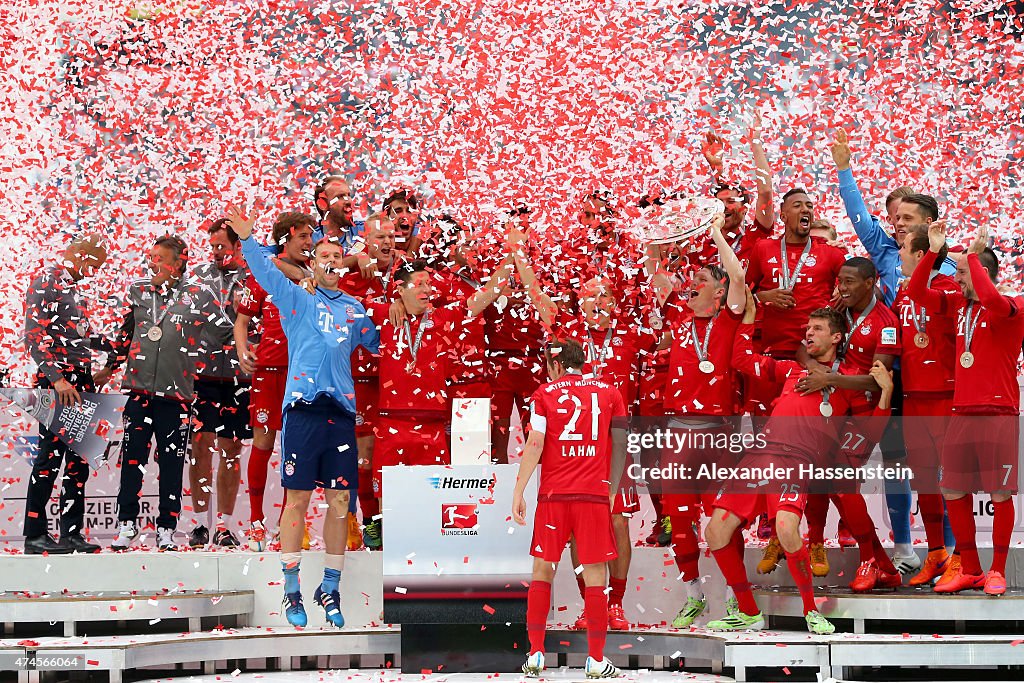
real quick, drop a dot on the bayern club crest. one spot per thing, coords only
(811, 261)
(262, 416)
(360, 420)
(289, 468)
(350, 311)
(865, 329)
(616, 341)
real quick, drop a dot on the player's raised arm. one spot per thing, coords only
(282, 291)
(764, 211)
(737, 297)
(491, 290)
(983, 281)
(919, 288)
(546, 308)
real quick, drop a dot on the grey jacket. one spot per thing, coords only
(57, 333)
(218, 356)
(165, 366)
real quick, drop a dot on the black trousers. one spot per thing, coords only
(46, 466)
(169, 421)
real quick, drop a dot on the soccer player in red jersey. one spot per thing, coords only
(791, 276)
(980, 449)
(576, 434)
(928, 365)
(514, 336)
(702, 393)
(873, 336)
(268, 362)
(371, 281)
(613, 344)
(414, 366)
(458, 279)
(802, 426)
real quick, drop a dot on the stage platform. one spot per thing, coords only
(908, 608)
(223, 650)
(221, 589)
(153, 607)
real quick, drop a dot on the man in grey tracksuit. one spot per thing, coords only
(161, 339)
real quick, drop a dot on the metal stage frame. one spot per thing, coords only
(243, 587)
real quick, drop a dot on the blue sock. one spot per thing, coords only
(947, 530)
(291, 577)
(898, 499)
(332, 579)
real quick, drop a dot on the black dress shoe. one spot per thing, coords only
(77, 544)
(37, 545)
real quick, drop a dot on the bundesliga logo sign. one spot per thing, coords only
(459, 519)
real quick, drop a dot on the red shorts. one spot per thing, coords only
(589, 523)
(408, 441)
(747, 500)
(761, 393)
(266, 398)
(652, 392)
(924, 429)
(980, 454)
(514, 379)
(627, 502)
(367, 400)
(479, 389)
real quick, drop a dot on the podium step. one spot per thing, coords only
(910, 606)
(117, 654)
(23, 607)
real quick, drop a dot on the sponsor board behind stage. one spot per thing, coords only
(454, 531)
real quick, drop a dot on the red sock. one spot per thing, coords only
(256, 474)
(730, 561)
(800, 569)
(816, 513)
(961, 518)
(618, 591)
(538, 604)
(595, 609)
(659, 512)
(685, 548)
(1002, 529)
(932, 512)
(854, 510)
(368, 503)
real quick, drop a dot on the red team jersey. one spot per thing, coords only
(272, 351)
(576, 416)
(878, 334)
(796, 426)
(927, 372)
(423, 390)
(613, 355)
(512, 324)
(783, 330)
(989, 386)
(469, 363)
(371, 291)
(690, 391)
